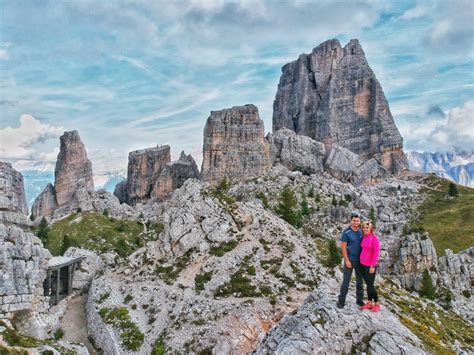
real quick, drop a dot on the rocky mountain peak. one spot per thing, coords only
(13, 206)
(333, 96)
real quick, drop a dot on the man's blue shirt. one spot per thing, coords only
(353, 240)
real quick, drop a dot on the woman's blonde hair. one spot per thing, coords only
(369, 224)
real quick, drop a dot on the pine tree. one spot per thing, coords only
(453, 190)
(373, 216)
(427, 288)
(334, 255)
(67, 243)
(304, 206)
(334, 201)
(43, 230)
(288, 207)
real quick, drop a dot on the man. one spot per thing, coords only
(350, 243)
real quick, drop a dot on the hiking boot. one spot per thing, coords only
(367, 306)
(360, 303)
(340, 305)
(375, 308)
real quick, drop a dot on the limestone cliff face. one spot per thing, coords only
(13, 206)
(73, 180)
(333, 96)
(234, 145)
(45, 203)
(151, 174)
(73, 168)
(144, 168)
(23, 260)
(174, 175)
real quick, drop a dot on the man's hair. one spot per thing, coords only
(354, 215)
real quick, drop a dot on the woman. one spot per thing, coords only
(368, 262)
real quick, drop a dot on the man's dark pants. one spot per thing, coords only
(347, 272)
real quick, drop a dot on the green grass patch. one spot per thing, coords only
(200, 280)
(223, 248)
(449, 221)
(169, 273)
(96, 232)
(438, 328)
(131, 336)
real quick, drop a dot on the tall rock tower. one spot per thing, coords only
(234, 145)
(72, 175)
(333, 96)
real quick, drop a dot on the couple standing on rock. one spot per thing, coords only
(361, 249)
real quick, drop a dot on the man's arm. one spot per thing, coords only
(344, 254)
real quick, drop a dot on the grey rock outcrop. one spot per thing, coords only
(416, 254)
(73, 169)
(347, 166)
(456, 271)
(73, 180)
(296, 152)
(175, 174)
(333, 96)
(234, 145)
(152, 175)
(13, 206)
(320, 328)
(45, 204)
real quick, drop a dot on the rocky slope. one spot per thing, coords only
(333, 96)
(455, 166)
(234, 145)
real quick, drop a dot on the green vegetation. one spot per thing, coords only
(449, 221)
(311, 192)
(240, 284)
(334, 257)
(261, 195)
(131, 336)
(452, 190)
(438, 328)
(13, 338)
(103, 297)
(127, 298)
(201, 279)
(171, 272)
(373, 216)
(43, 231)
(221, 192)
(223, 248)
(288, 207)
(427, 288)
(94, 231)
(304, 206)
(58, 334)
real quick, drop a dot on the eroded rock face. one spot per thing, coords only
(73, 180)
(73, 168)
(320, 328)
(333, 96)
(234, 145)
(297, 152)
(45, 203)
(23, 260)
(416, 254)
(13, 206)
(174, 175)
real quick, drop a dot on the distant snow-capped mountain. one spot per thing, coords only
(456, 166)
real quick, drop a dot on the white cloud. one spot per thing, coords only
(419, 10)
(4, 55)
(17, 143)
(135, 62)
(455, 130)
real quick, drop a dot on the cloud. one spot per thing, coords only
(452, 30)
(4, 55)
(418, 11)
(442, 132)
(17, 143)
(134, 62)
(435, 110)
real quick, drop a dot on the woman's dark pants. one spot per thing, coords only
(370, 280)
(347, 272)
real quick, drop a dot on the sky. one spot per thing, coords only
(135, 74)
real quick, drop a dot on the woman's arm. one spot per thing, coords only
(376, 250)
